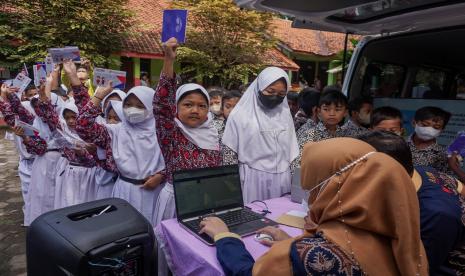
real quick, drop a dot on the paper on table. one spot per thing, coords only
(293, 218)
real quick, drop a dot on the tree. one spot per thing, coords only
(96, 27)
(225, 44)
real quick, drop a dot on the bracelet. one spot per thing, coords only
(98, 98)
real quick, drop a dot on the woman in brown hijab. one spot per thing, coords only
(364, 219)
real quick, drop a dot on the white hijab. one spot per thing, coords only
(118, 92)
(117, 107)
(64, 127)
(204, 136)
(135, 146)
(58, 102)
(264, 139)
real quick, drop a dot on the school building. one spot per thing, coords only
(304, 54)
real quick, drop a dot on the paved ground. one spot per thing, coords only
(12, 235)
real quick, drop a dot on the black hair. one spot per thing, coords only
(142, 74)
(215, 92)
(392, 145)
(30, 87)
(332, 96)
(356, 104)
(293, 96)
(384, 113)
(193, 92)
(432, 112)
(308, 99)
(230, 95)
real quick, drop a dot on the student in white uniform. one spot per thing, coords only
(104, 179)
(133, 144)
(260, 130)
(75, 173)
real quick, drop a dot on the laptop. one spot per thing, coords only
(297, 193)
(216, 192)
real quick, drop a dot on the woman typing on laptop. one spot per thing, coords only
(347, 195)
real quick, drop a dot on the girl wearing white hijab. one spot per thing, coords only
(115, 95)
(131, 146)
(105, 179)
(260, 130)
(12, 108)
(187, 137)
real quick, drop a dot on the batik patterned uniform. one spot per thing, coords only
(433, 156)
(309, 256)
(75, 171)
(229, 156)
(11, 109)
(300, 119)
(179, 153)
(318, 133)
(353, 130)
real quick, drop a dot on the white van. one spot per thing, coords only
(412, 54)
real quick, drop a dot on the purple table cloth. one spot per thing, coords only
(187, 255)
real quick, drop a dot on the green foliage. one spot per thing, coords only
(224, 44)
(350, 51)
(96, 27)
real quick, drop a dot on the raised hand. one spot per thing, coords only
(70, 69)
(169, 47)
(101, 93)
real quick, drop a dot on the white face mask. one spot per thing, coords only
(426, 133)
(215, 109)
(135, 115)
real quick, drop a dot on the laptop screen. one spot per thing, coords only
(207, 190)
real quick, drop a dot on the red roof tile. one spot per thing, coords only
(145, 38)
(274, 57)
(308, 41)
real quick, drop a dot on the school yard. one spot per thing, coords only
(12, 235)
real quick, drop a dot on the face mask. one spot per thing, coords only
(426, 133)
(364, 118)
(215, 109)
(135, 115)
(270, 101)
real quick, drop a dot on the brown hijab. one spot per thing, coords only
(380, 222)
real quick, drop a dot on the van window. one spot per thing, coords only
(429, 83)
(380, 79)
(381, 8)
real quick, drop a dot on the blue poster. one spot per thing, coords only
(174, 25)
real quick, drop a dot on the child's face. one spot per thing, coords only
(391, 125)
(112, 117)
(193, 110)
(436, 123)
(70, 118)
(293, 106)
(82, 74)
(229, 105)
(28, 94)
(113, 97)
(332, 114)
(133, 101)
(215, 100)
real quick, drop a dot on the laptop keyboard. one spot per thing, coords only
(230, 218)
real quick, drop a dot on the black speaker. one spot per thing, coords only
(104, 237)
